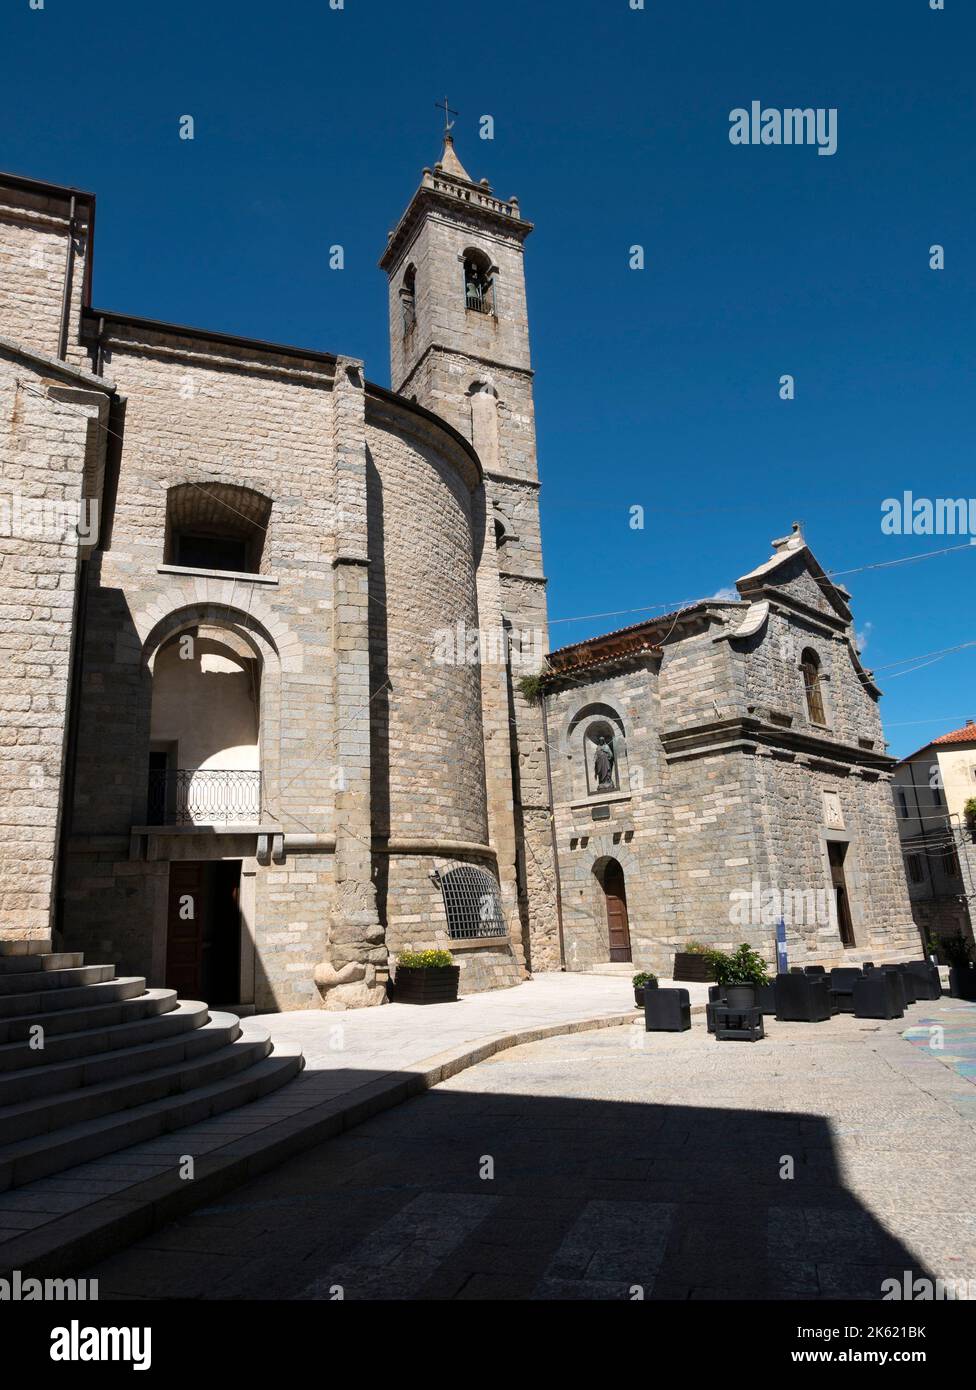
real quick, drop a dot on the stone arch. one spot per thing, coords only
(223, 601)
(249, 632)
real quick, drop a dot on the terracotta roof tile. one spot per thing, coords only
(967, 734)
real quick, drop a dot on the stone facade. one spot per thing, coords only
(293, 543)
(932, 787)
(729, 787)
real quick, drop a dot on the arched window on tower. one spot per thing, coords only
(813, 686)
(479, 285)
(408, 299)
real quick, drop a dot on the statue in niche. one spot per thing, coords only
(604, 763)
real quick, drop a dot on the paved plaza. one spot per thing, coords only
(614, 1164)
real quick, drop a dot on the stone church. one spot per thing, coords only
(240, 758)
(721, 768)
(227, 566)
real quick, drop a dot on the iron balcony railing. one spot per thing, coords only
(204, 796)
(479, 300)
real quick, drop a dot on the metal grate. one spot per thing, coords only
(472, 902)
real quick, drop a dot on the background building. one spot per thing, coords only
(931, 788)
(748, 781)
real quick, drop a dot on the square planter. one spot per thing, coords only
(688, 965)
(433, 986)
(962, 981)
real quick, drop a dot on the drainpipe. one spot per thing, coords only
(69, 261)
(552, 831)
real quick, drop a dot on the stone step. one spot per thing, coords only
(34, 981)
(149, 1004)
(40, 946)
(25, 965)
(201, 1034)
(28, 1119)
(43, 1155)
(88, 1042)
(14, 1006)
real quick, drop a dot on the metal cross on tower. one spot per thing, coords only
(448, 113)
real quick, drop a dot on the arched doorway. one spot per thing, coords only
(615, 896)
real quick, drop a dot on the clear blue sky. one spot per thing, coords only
(657, 388)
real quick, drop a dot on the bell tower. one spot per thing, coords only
(459, 346)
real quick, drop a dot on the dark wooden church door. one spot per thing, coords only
(615, 893)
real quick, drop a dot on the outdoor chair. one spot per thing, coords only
(842, 987)
(879, 995)
(814, 970)
(868, 965)
(905, 984)
(667, 1011)
(925, 977)
(766, 997)
(802, 999)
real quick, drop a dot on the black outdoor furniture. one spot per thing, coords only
(745, 1025)
(868, 965)
(802, 999)
(766, 997)
(879, 995)
(667, 1011)
(796, 970)
(716, 995)
(904, 984)
(925, 977)
(814, 970)
(842, 980)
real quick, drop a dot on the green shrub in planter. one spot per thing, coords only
(742, 971)
(742, 967)
(644, 979)
(424, 960)
(426, 977)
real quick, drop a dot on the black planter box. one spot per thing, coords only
(962, 981)
(639, 994)
(434, 986)
(688, 965)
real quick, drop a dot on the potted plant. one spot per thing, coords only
(644, 979)
(962, 970)
(696, 962)
(969, 811)
(426, 977)
(742, 974)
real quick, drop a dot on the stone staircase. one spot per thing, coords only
(91, 1062)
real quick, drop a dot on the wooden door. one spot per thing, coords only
(188, 909)
(836, 853)
(617, 924)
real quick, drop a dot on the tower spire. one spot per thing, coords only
(449, 162)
